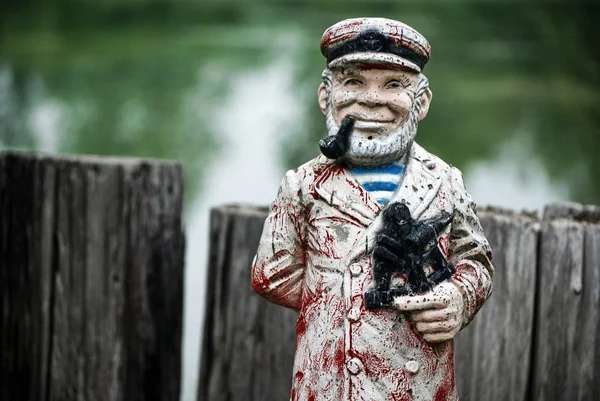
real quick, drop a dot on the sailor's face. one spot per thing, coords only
(379, 99)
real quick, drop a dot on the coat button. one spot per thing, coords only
(354, 315)
(412, 366)
(354, 366)
(355, 269)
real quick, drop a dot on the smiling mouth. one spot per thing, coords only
(370, 125)
(371, 120)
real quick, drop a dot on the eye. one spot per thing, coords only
(394, 84)
(352, 82)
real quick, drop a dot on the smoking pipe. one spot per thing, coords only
(336, 146)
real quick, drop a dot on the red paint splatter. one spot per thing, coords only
(328, 246)
(442, 394)
(443, 244)
(329, 173)
(300, 327)
(399, 279)
(297, 382)
(336, 305)
(340, 356)
(375, 365)
(343, 32)
(311, 394)
(447, 386)
(401, 387)
(469, 268)
(469, 271)
(318, 296)
(260, 282)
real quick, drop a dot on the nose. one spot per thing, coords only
(370, 97)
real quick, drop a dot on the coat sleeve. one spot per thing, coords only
(279, 264)
(470, 251)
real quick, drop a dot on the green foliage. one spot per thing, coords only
(132, 75)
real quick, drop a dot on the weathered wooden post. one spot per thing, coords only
(248, 346)
(493, 353)
(91, 278)
(567, 343)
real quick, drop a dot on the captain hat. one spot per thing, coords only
(381, 41)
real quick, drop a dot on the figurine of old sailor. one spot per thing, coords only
(375, 242)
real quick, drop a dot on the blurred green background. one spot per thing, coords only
(228, 87)
(122, 74)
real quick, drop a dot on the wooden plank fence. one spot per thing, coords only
(537, 338)
(91, 278)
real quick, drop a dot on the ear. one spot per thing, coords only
(322, 97)
(425, 102)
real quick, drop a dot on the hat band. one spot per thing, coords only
(375, 41)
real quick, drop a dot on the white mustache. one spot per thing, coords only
(380, 149)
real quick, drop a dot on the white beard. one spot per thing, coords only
(384, 148)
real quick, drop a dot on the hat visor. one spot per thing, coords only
(382, 60)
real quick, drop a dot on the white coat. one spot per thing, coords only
(314, 257)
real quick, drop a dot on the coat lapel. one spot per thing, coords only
(335, 185)
(420, 184)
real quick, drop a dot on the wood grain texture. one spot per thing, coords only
(493, 353)
(26, 225)
(535, 338)
(567, 354)
(91, 278)
(248, 343)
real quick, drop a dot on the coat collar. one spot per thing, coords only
(421, 183)
(337, 186)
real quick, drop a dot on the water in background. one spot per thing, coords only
(229, 89)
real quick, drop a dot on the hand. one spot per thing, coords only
(437, 314)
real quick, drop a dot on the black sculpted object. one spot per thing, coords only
(406, 246)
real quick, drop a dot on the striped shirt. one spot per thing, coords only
(380, 182)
